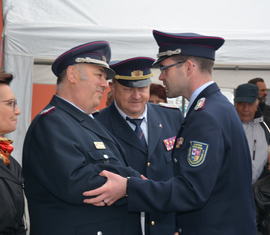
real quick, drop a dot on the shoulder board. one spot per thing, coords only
(200, 104)
(167, 105)
(48, 110)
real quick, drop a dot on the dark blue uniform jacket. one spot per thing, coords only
(155, 163)
(64, 151)
(211, 189)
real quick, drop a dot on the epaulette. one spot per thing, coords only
(48, 110)
(167, 105)
(200, 104)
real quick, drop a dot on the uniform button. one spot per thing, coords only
(106, 156)
(153, 223)
(148, 164)
(175, 160)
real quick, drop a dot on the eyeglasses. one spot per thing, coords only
(11, 103)
(163, 68)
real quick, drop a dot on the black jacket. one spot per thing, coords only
(11, 199)
(64, 152)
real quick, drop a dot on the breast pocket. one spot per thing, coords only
(102, 156)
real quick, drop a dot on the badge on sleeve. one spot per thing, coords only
(99, 145)
(197, 153)
(200, 104)
(169, 143)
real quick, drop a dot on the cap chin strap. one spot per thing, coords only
(130, 78)
(90, 60)
(169, 53)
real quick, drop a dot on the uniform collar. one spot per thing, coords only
(197, 92)
(90, 115)
(144, 114)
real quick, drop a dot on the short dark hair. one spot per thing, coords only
(61, 76)
(255, 80)
(158, 90)
(5, 78)
(205, 65)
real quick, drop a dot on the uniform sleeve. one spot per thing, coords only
(62, 161)
(199, 159)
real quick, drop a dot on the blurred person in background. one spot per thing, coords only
(263, 108)
(11, 181)
(246, 103)
(157, 94)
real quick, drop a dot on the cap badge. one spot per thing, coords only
(169, 53)
(169, 143)
(197, 153)
(200, 104)
(91, 60)
(137, 73)
(99, 145)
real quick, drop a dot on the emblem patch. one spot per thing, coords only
(169, 143)
(99, 145)
(200, 104)
(197, 153)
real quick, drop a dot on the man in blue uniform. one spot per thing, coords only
(65, 149)
(211, 188)
(158, 125)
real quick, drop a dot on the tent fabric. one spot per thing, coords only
(44, 29)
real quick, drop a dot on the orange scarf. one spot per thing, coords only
(5, 149)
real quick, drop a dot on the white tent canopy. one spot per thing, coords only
(45, 28)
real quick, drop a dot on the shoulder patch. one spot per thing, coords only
(48, 110)
(197, 153)
(200, 104)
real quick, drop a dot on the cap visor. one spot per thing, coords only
(245, 99)
(135, 83)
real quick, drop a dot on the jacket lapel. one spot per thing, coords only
(122, 130)
(155, 127)
(84, 119)
(6, 173)
(205, 93)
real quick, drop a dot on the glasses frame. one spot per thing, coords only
(11, 103)
(163, 68)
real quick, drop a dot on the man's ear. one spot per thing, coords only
(190, 67)
(72, 74)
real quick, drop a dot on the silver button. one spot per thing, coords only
(106, 156)
(175, 160)
(153, 223)
(148, 164)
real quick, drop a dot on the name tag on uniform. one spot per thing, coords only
(99, 145)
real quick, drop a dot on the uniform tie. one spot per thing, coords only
(138, 130)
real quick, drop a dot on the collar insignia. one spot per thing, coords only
(200, 103)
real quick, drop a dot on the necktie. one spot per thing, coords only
(138, 130)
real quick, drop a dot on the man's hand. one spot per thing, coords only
(114, 189)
